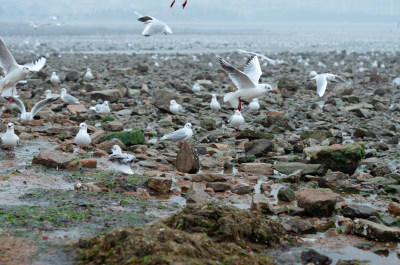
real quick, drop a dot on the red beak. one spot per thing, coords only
(273, 91)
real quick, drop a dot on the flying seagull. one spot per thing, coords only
(153, 25)
(322, 81)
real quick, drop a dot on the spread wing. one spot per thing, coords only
(240, 79)
(36, 65)
(177, 135)
(7, 61)
(41, 104)
(144, 18)
(339, 79)
(17, 102)
(253, 69)
(152, 28)
(321, 84)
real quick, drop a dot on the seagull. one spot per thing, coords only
(153, 25)
(88, 76)
(28, 116)
(48, 93)
(180, 135)
(121, 161)
(67, 98)
(175, 108)
(269, 60)
(312, 74)
(82, 139)
(10, 139)
(322, 80)
(254, 105)
(101, 108)
(196, 87)
(214, 105)
(36, 26)
(54, 79)
(183, 5)
(246, 82)
(15, 72)
(236, 120)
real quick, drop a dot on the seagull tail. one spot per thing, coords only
(8, 92)
(233, 100)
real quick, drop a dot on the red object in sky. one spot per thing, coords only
(183, 6)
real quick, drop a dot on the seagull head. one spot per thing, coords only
(116, 149)
(10, 125)
(83, 126)
(63, 90)
(188, 125)
(48, 92)
(268, 88)
(255, 100)
(214, 96)
(26, 70)
(88, 70)
(172, 102)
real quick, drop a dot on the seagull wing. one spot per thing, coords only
(339, 79)
(70, 99)
(144, 19)
(152, 28)
(17, 102)
(36, 65)
(240, 79)
(7, 61)
(253, 69)
(41, 104)
(321, 84)
(177, 135)
(260, 55)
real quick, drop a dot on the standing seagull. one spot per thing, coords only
(67, 98)
(10, 139)
(246, 82)
(175, 108)
(180, 135)
(88, 76)
(121, 161)
(322, 81)
(183, 5)
(54, 79)
(236, 120)
(28, 116)
(48, 93)
(14, 72)
(153, 25)
(101, 108)
(254, 105)
(214, 105)
(82, 139)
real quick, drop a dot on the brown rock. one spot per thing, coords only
(75, 109)
(260, 204)
(209, 190)
(36, 122)
(160, 184)
(99, 153)
(88, 163)
(96, 187)
(196, 194)
(107, 145)
(219, 186)
(207, 177)
(187, 160)
(220, 147)
(140, 194)
(257, 168)
(55, 159)
(98, 136)
(394, 208)
(316, 202)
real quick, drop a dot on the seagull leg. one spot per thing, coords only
(173, 3)
(180, 145)
(12, 93)
(123, 177)
(2, 90)
(184, 4)
(115, 178)
(13, 154)
(240, 104)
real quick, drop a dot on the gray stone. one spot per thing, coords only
(257, 168)
(375, 231)
(358, 211)
(98, 136)
(285, 194)
(111, 95)
(316, 202)
(260, 204)
(219, 186)
(258, 148)
(288, 168)
(113, 126)
(72, 76)
(333, 180)
(244, 189)
(299, 226)
(196, 194)
(163, 98)
(207, 177)
(107, 145)
(161, 185)
(54, 159)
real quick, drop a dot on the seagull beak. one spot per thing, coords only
(273, 91)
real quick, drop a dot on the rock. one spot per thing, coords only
(340, 158)
(361, 133)
(55, 159)
(257, 168)
(361, 176)
(299, 226)
(207, 177)
(394, 208)
(187, 160)
(94, 187)
(244, 189)
(221, 147)
(72, 76)
(107, 145)
(258, 147)
(219, 186)
(316, 202)
(208, 124)
(358, 211)
(179, 86)
(288, 84)
(375, 231)
(50, 130)
(196, 194)
(161, 185)
(285, 194)
(281, 121)
(113, 126)
(288, 168)
(333, 180)
(246, 159)
(260, 204)
(88, 163)
(253, 135)
(343, 89)
(98, 136)
(319, 135)
(163, 98)
(75, 109)
(111, 95)
(313, 257)
(128, 138)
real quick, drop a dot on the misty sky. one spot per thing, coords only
(205, 10)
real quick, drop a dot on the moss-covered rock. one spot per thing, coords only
(252, 135)
(129, 138)
(208, 124)
(246, 159)
(319, 135)
(286, 194)
(340, 158)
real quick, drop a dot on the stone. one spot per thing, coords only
(208, 124)
(361, 177)
(53, 130)
(219, 186)
(246, 159)
(161, 185)
(361, 133)
(258, 148)
(98, 136)
(163, 98)
(313, 257)
(75, 109)
(257, 168)
(111, 95)
(358, 211)
(319, 135)
(375, 231)
(187, 159)
(88, 163)
(128, 138)
(196, 194)
(107, 145)
(316, 202)
(207, 177)
(113, 126)
(281, 121)
(72, 76)
(333, 180)
(299, 226)
(253, 135)
(221, 147)
(54, 159)
(345, 224)
(94, 187)
(260, 204)
(285, 194)
(243, 189)
(288, 84)
(394, 208)
(288, 168)
(340, 158)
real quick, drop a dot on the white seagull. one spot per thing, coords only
(28, 116)
(121, 161)
(153, 25)
(236, 120)
(254, 105)
(175, 108)
(322, 81)
(101, 108)
(246, 82)
(88, 76)
(15, 72)
(10, 139)
(54, 79)
(180, 135)
(269, 60)
(214, 105)
(196, 87)
(67, 98)
(82, 139)
(48, 93)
